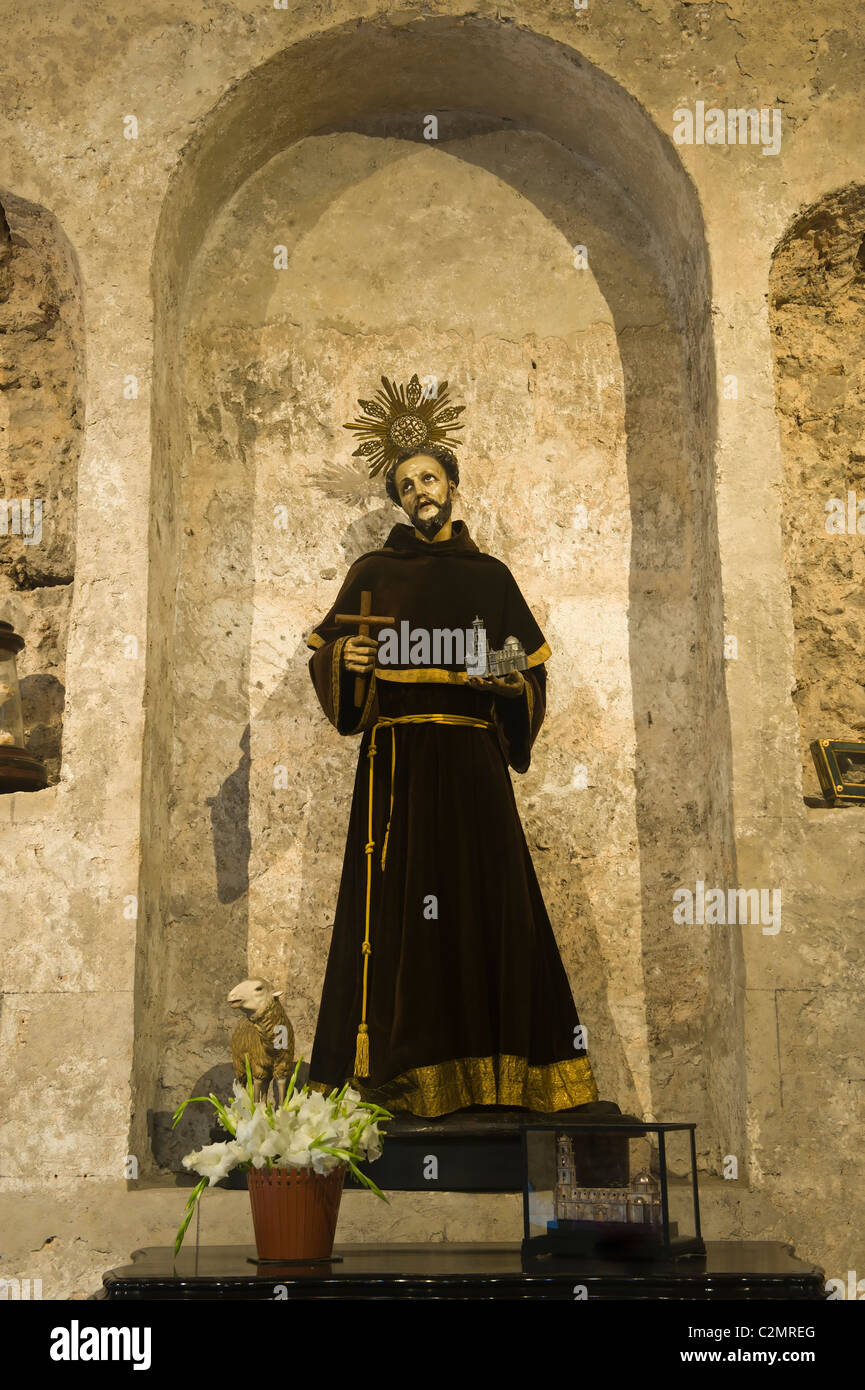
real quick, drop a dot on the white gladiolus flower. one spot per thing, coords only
(342, 1134)
(295, 1135)
(324, 1163)
(284, 1124)
(270, 1146)
(253, 1131)
(303, 1136)
(371, 1142)
(214, 1161)
(241, 1105)
(317, 1104)
(297, 1158)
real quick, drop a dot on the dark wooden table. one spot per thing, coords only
(729, 1270)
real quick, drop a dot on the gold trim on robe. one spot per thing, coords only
(437, 673)
(335, 659)
(530, 701)
(335, 686)
(503, 1080)
(370, 696)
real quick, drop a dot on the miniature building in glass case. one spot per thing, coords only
(611, 1190)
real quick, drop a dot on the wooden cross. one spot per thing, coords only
(364, 619)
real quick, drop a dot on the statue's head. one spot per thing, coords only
(424, 481)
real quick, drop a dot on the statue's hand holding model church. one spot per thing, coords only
(444, 987)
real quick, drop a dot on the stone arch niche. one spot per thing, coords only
(41, 429)
(587, 468)
(817, 308)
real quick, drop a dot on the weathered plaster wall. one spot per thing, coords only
(85, 989)
(817, 318)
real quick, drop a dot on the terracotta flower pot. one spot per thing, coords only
(294, 1212)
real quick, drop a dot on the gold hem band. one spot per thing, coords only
(502, 1080)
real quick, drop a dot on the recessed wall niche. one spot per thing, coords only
(41, 423)
(817, 308)
(587, 469)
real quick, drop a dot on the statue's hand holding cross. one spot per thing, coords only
(360, 650)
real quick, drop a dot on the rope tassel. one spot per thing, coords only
(361, 1052)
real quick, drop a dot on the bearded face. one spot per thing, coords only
(425, 492)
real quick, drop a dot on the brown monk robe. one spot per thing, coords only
(466, 1001)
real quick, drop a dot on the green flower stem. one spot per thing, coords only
(349, 1159)
(190, 1208)
(180, 1109)
(291, 1085)
(223, 1115)
(207, 1100)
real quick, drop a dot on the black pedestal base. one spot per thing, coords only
(475, 1150)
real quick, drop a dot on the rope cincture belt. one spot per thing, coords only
(361, 1055)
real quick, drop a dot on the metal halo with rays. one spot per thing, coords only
(399, 419)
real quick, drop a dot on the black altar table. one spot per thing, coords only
(729, 1270)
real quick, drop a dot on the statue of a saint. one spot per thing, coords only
(444, 986)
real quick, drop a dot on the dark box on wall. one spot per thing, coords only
(840, 765)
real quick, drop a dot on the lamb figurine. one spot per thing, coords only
(264, 1035)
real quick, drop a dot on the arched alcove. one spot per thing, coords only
(41, 430)
(665, 1031)
(817, 305)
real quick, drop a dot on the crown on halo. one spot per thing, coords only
(400, 419)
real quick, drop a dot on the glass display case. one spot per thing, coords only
(610, 1190)
(19, 770)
